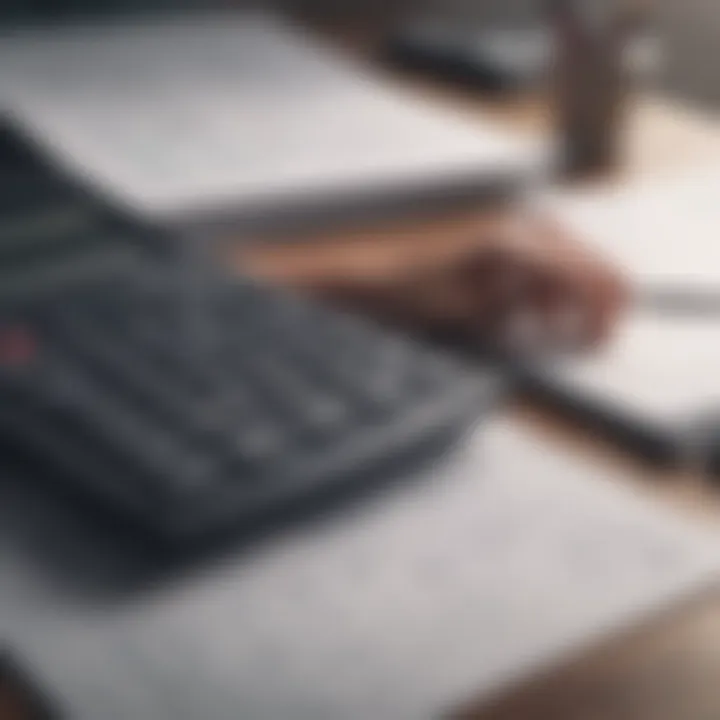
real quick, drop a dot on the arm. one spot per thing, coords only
(469, 281)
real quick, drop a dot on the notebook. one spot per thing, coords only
(242, 115)
(658, 374)
(649, 387)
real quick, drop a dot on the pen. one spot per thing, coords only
(680, 301)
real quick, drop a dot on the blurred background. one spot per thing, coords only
(690, 29)
(690, 32)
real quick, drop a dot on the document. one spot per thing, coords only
(179, 114)
(505, 558)
(660, 369)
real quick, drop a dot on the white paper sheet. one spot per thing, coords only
(660, 369)
(196, 111)
(662, 233)
(508, 558)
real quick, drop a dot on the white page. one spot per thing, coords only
(507, 559)
(195, 111)
(662, 369)
(662, 233)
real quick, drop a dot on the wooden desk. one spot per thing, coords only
(670, 669)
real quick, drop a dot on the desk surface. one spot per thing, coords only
(667, 670)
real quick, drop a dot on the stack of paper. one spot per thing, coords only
(241, 113)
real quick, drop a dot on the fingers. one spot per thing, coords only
(583, 283)
(504, 307)
(527, 285)
(537, 287)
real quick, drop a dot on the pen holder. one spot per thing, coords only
(590, 111)
(591, 82)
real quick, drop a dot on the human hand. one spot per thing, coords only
(520, 283)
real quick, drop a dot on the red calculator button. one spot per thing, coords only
(18, 346)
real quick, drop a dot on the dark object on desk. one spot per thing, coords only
(185, 399)
(703, 447)
(591, 81)
(19, 699)
(53, 231)
(194, 419)
(488, 59)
